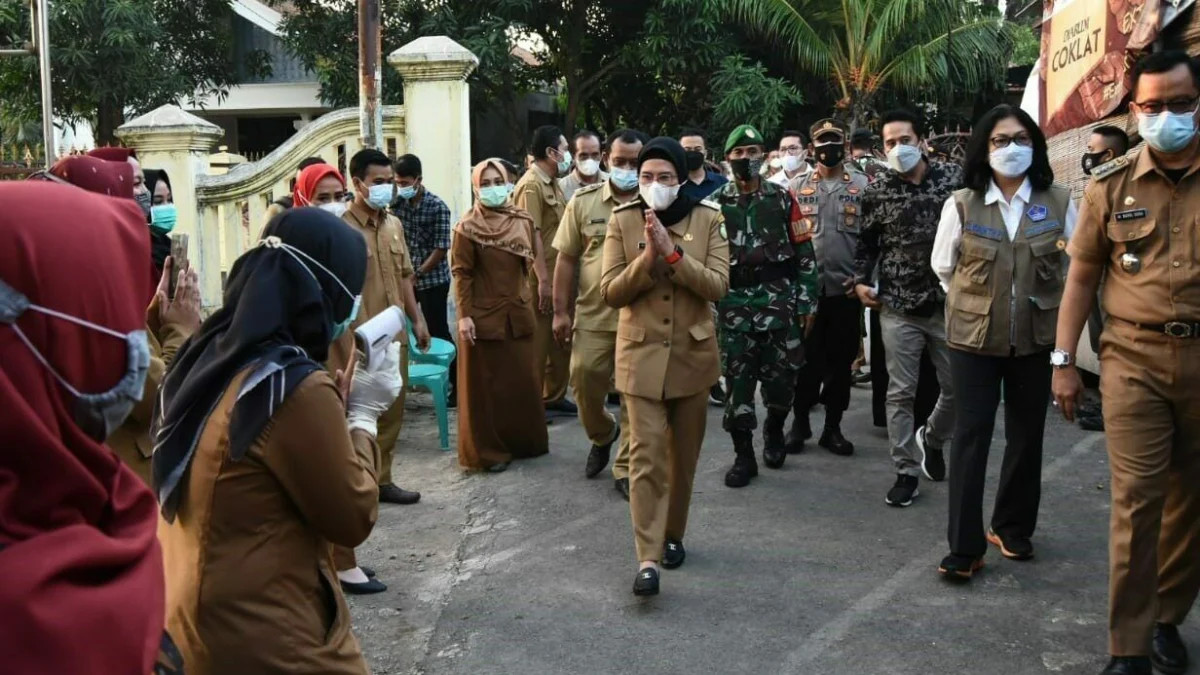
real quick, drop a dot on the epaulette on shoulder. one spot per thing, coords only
(710, 204)
(1110, 168)
(631, 204)
(589, 188)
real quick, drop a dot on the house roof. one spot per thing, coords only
(258, 14)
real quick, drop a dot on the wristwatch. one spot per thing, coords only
(1061, 358)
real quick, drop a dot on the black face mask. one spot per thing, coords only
(695, 160)
(1091, 160)
(831, 154)
(746, 169)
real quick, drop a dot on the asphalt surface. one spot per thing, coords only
(807, 571)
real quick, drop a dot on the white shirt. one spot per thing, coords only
(781, 178)
(949, 234)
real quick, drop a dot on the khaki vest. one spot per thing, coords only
(1005, 294)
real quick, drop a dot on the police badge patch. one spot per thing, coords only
(1037, 213)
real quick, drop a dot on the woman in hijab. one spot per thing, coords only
(82, 571)
(259, 464)
(500, 414)
(666, 259)
(162, 215)
(323, 186)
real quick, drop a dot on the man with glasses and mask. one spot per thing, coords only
(830, 200)
(1137, 227)
(773, 291)
(795, 169)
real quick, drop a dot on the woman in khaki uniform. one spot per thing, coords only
(256, 467)
(666, 259)
(998, 252)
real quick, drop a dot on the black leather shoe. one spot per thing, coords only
(1128, 665)
(774, 446)
(563, 407)
(646, 582)
(367, 571)
(369, 587)
(622, 486)
(801, 431)
(673, 554)
(598, 457)
(391, 494)
(833, 441)
(1169, 654)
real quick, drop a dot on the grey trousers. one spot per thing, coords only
(904, 338)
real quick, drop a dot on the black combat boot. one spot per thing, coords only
(745, 466)
(774, 447)
(800, 432)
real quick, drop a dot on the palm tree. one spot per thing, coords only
(917, 48)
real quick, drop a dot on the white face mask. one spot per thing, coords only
(588, 167)
(793, 162)
(904, 158)
(1011, 162)
(658, 196)
(776, 164)
(336, 208)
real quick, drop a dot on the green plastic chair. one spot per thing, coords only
(436, 380)
(441, 352)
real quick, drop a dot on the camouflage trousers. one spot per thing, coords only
(770, 358)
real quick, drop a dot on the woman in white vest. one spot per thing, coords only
(999, 255)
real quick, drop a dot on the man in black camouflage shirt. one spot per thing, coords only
(900, 219)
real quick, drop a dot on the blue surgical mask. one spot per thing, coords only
(495, 196)
(380, 196)
(162, 217)
(98, 415)
(624, 180)
(407, 192)
(340, 327)
(1168, 131)
(564, 164)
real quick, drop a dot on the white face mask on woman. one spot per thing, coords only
(1012, 161)
(658, 196)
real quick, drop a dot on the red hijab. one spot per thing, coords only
(81, 571)
(306, 183)
(112, 154)
(106, 177)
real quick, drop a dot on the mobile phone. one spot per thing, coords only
(179, 260)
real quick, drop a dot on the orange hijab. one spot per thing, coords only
(506, 228)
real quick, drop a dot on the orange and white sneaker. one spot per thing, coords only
(1013, 548)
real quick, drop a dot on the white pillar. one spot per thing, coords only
(437, 118)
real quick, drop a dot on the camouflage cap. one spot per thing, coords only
(827, 127)
(744, 135)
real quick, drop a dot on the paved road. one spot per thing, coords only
(805, 572)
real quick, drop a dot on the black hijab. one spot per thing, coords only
(277, 319)
(670, 150)
(160, 243)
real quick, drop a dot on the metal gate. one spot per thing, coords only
(39, 47)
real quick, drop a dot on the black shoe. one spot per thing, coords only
(859, 377)
(673, 554)
(716, 395)
(1128, 665)
(933, 460)
(368, 587)
(1091, 423)
(646, 582)
(774, 446)
(367, 571)
(613, 399)
(1168, 654)
(391, 494)
(598, 457)
(563, 407)
(904, 491)
(959, 567)
(498, 468)
(1089, 409)
(833, 441)
(1013, 548)
(745, 466)
(622, 486)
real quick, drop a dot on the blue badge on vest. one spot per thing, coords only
(1042, 228)
(1037, 213)
(985, 232)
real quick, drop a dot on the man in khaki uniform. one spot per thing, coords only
(1138, 225)
(580, 244)
(389, 282)
(666, 259)
(538, 193)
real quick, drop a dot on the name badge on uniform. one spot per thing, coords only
(1042, 228)
(985, 232)
(597, 221)
(1037, 213)
(1133, 214)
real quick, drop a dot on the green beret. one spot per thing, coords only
(744, 135)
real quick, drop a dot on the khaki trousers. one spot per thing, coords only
(556, 357)
(664, 446)
(1151, 389)
(390, 423)
(593, 360)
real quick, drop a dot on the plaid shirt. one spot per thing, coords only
(426, 229)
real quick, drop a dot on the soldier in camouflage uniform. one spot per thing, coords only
(773, 290)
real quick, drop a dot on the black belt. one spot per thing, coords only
(1175, 329)
(756, 275)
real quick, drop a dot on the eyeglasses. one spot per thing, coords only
(791, 149)
(1022, 140)
(1179, 106)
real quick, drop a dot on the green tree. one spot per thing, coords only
(910, 47)
(113, 56)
